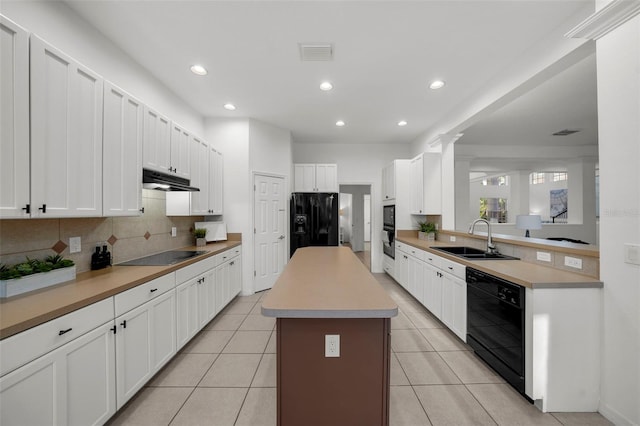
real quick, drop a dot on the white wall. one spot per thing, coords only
(358, 164)
(618, 56)
(248, 146)
(60, 26)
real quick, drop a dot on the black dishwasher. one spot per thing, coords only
(495, 324)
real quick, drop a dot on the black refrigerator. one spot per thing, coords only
(314, 219)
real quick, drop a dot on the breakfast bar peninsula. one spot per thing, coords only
(322, 379)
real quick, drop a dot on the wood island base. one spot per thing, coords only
(352, 389)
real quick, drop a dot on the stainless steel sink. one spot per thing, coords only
(471, 253)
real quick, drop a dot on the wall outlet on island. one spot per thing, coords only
(543, 256)
(332, 346)
(452, 238)
(174, 231)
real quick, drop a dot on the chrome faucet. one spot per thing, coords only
(490, 247)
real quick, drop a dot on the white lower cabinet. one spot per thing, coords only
(79, 369)
(145, 341)
(438, 283)
(54, 389)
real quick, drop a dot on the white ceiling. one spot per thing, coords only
(386, 53)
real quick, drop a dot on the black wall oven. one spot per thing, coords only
(389, 230)
(495, 324)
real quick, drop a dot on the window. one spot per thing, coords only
(557, 177)
(536, 178)
(494, 209)
(495, 181)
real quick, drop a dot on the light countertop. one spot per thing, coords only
(522, 273)
(327, 282)
(28, 310)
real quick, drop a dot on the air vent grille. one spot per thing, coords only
(316, 51)
(565, 132)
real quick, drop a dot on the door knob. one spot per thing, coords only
(281, 237)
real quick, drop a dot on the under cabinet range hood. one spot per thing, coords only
(165, 182)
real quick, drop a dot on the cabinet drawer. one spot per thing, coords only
(136, 296)
(24, 347)
(227, 255)
(195, 269)
(433, 259)
(417, 253)
(401, 247)
(453, 268)
(388, 265)
(234, 252)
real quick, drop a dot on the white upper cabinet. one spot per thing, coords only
(122, 153)
(316, 178)
(66, 135)
(389, 182)
(216, 182)
(14, 120)
(199, 176)
(426, 184)
(180, 143)
(156, 148)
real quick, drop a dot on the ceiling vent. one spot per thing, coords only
(565, 132)
(316, 51)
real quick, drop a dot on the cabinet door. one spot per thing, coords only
(216, 182)
(180, 160)
(432, 184)
(163, 329)
(326, 178)
(156, 147)
(416, 278)
(454, 304)
(74, 385)
(14, 120)
(207, 299)
(222, 286)
(122, 151)
(199, 153)
(433, 290)
(417, 186)
(66, 135)
(187, 316)
(235, 277)
(304, 178)
(133, 352)
(402, 269)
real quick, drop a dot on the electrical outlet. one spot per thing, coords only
(543, 256)
(573, 262)
(632, 253)
(452, 238)
(74, 245)
(174, 231)
(332, 345)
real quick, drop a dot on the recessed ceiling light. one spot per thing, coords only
(230, 107)
(198, 69)
(437, 84)
(340, 123)
(402, 123)
(325, 85)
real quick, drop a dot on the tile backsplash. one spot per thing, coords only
(126, 237)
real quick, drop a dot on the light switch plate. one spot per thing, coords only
(74, 245)
(573, 262)
(543, 256)
(632, 253)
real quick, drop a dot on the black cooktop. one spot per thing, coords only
(163, 259)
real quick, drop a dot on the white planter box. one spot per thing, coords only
(27, 283)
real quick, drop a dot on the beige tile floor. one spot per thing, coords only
(227, 376)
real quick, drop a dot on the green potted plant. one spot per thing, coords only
(34, 274)
(200, 234)
(427, 231)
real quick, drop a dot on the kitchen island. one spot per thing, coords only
(327, 291)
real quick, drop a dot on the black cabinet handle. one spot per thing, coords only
(450, 267)
(27, 208)
(153, 289)
(124, 324)
(113, 329)
(142, 210)
(61, 332)
(43, 208)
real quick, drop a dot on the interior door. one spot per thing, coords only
(367, 218)
(269, 239)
